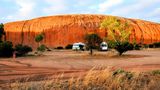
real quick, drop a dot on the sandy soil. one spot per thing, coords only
(71, 63)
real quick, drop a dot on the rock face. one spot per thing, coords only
(67, 29)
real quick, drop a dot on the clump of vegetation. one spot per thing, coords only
(41, 48)
(59, 47)
(2, 32)
(22, 50)
(122, 47)
(153, 45)
(145, 46)
(69, 46)
(156, 45)
(156, 72)
(118, 33)
(92, 41)
(6, 49)
(136, 46)
(39, 38)
(98, 80)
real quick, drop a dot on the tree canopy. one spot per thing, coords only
(117, 30)
(39, 37)
(2, 32)
(92, 41)
(118, 33)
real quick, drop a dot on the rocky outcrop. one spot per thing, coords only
(66, 29)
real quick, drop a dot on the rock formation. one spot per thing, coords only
(67, 29)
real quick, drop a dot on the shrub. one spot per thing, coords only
(6, 49)
(151, 46)
(136, 47)
(145, 46)
(122, 47)
(41, 48)
(69, 46)
(118, 71)
(22, 50)
(39, 37)
(59, 47)
(156, 45)
(128, 75)
(156, 72)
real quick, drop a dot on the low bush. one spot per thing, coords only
(69, 46)
(145, 46)
(151, 46)
(156, 72)
(41, 48)
(122, 47)
(136, 46)
(22, 50)
(6, 49)
(156, 45)
(59, 47)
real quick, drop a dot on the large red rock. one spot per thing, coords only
(67, 29)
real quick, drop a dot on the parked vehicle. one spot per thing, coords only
(103, 46)
(78, 46)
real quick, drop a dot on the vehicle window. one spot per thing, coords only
(104, 45)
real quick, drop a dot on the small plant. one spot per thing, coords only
(59, 47)
(145, 46)
(118, 71)
(156, 45)
(41, 48)
(156, 72)
(69, 46)
(135, 45)
(22, 50)
(122, 47)
(39, 38)
(6, 49)
(151, 46)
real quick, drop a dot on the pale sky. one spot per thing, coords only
(14, 10)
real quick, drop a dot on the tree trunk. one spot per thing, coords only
(91, 51)
(120, 53)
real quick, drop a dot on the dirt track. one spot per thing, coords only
(72, 63)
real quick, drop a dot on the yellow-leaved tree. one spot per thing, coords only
(118, 33)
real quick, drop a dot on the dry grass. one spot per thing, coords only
(98, 80)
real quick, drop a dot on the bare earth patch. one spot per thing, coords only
(70, 63)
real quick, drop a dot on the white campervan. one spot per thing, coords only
(104, 46)
(78, 46)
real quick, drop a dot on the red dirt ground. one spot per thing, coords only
(71, 63)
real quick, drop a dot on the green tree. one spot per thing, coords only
(92, 41)
(22, 50)
(41, 48)
(39, 38)
(6, 49)
(118, 32)
(2, 32)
